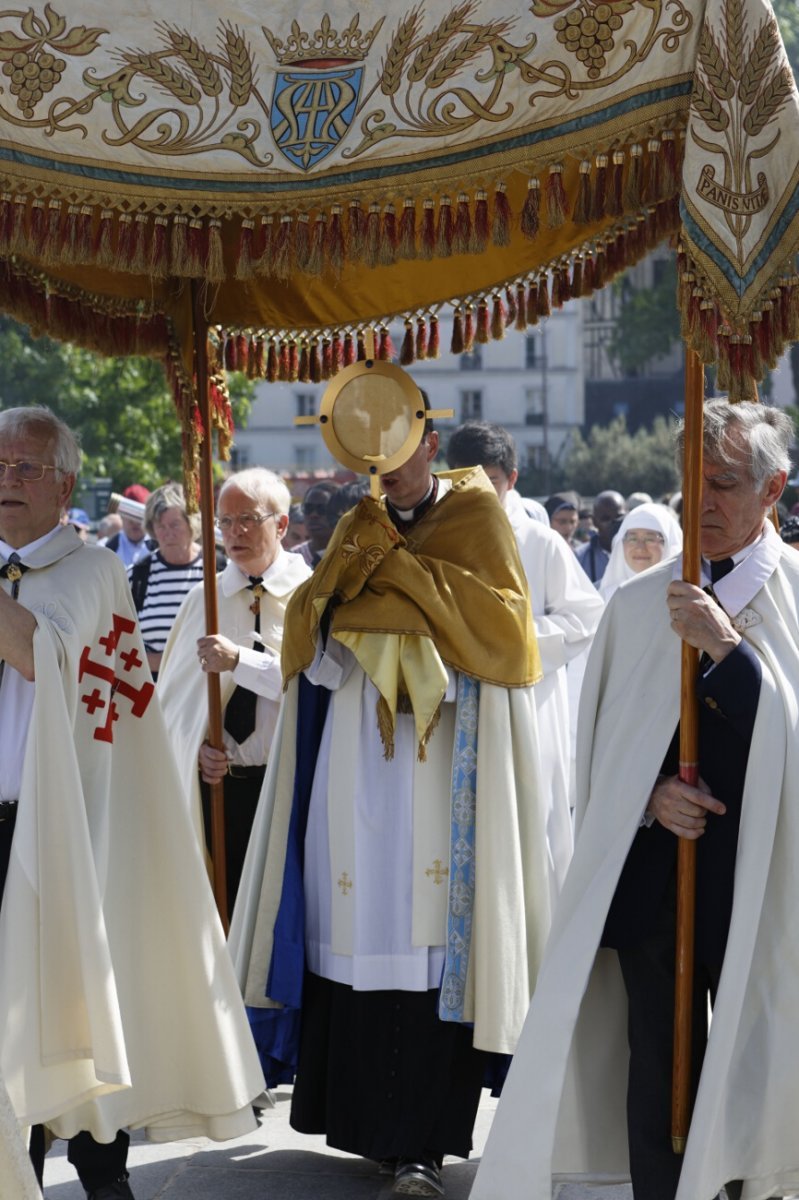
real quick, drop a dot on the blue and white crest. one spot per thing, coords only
(312, 111)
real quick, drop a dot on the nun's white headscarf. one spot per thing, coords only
(656, 517)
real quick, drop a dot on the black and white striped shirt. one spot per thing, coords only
(167, 587)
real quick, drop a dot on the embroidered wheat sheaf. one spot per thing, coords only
(457, 58)
(758, 62)
(197, 60)
(164, 76)
(240, 68)
(735, 37)
(716, 69)
(397, 53)
(709, 109)
(769, 102)
(452, 23)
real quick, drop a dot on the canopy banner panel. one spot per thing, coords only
(323, 168)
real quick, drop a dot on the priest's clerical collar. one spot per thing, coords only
(408, 516)
(24, 551)
(738, 557)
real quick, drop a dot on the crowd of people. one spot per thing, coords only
(416, 693)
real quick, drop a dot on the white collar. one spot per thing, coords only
(754, 565)
(281, 577)
(43, 551)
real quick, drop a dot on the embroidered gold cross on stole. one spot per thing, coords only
(258, 590)
(437, 872)
(345, 883)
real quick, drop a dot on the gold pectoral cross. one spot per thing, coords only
(257, 591)
(438, 871)
(345, 883)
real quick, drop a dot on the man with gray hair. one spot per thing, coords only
(114, 976)
(252, 594)
(604, 1001)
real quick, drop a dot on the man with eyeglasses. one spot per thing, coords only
(114, 976)
(252, 593)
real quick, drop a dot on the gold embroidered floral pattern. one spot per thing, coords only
(28, 58)
(366, 557)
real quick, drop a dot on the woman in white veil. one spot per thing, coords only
(647, 535)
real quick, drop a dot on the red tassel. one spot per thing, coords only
(388, 242)
(468, 329)
(615, 204)
(348, 357)
(428, 230)
(327, 359)
(500, 228)
(371, 252)
(462, 238)
(195, 249)
(669, 181)
(557, 289)
(532, 303)
(294, 362)
(158, 265)
(421, 339)
(336, 355)
(599, 194)
(231, 362)
(356, 231)
(521, 308)
(6, 208)
(543, 307)
(316, 257)
(497, 318)
(283, 370)
(581, 213)
(556, 198)
(302, 242)
(406, 350)
(632, 188)
(480, 226)
(259, 363)
(406, 247)
(267, 239)
(17, 237)
(651, 228)
(281, 256)
(456, 345)
(577, 277)
(385, 349)
(303, 365)
(444, 231)
(531, 213)
(242, 352)
(510, 306)
(244, 258)
(37, 227)
(70, 235)
(652, 184)
(140, 251)
(314, 363)
(434, 339)
(124, 242)
(334, 240)
(600, 278)
(361, 347)
(483, 332)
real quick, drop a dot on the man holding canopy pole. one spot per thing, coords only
(589, 1092)
(396, 894)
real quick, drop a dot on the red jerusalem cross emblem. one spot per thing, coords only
(121, 685)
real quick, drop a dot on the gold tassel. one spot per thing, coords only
(385, 724)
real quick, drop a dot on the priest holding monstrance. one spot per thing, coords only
(395, 899)
(589, 1091)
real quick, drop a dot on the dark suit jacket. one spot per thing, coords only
(728, 699)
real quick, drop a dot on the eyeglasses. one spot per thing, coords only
(644, 539)
(28, 472)
(245, 521)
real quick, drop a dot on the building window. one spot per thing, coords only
(537, 458)
(532, 350)
(473, 360)
(471, 406)
(534, 406)
(305, 457)
(306, 404)
(239, 457)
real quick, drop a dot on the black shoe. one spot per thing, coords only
(113, 1191)
(421, 1178)
(387, 1166)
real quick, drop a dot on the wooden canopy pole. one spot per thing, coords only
(689, 760)
(200, 326)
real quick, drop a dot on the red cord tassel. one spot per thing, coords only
(267, 238)
(615, 204)
(500, 227)
(231, 362)
(456, 345)
(124, 242)
(356, 231)
(428, 241)
(244, 257)
(242, 352)
(406, 247)
(303, 365)
(543, 307)
(259, 363)
(388, 242)
(462, 237)
(510, 306)
(434, 338)
(521, 308)
(632, 188)
(294, 362)
(371, 252)
(483, 331)
(480, 225)
(531, 212)
(327, 358)
(302, 242)
(556, 198)
(406, 350)
(581, 214)
(334, 240)
(316, 257)
(600, 190)
(497, 318)
(468, 329)
(444, 230)
(314, 362)
(281, 257)
(385, 349)
(336, 354)
(283, 368)
(421, 339)
(348, 357)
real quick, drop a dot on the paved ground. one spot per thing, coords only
(275, 1163)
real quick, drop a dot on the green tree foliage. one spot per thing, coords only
(649, 323)
(121, 408)
(787, 14)
(611, 457)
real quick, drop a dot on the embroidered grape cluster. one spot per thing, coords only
(32, 76)
(589, 35)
